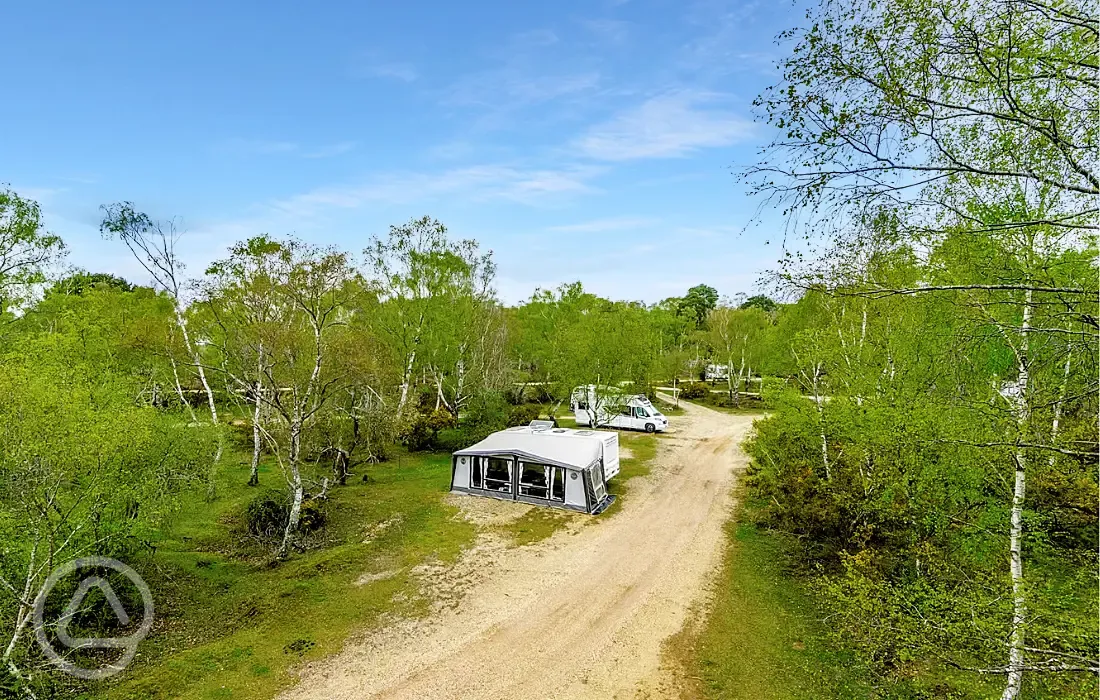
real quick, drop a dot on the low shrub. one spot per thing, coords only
(268, 513)
(694, 391)
(522, 415)
(421, 431)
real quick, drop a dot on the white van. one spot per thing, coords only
(713, 373)
(608, 407)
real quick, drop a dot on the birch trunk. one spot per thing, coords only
(254, 473)
(295, 487)
(819, 400)
(1058, 405)
(198, 365)
(740, 379)
(211, 487)
(179, 390)
(1016, 527)
(406, 377)
(23, 614)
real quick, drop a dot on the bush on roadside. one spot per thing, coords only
(694, 391)
(523, 415)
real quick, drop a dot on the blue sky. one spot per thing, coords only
(577, 140)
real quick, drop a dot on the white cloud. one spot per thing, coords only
(335, 149)
(512, 87)
(611, 31)
(404, 72)
(618, 223)
(260, 147)
(667, 126)
(535, 37)
(480, 182)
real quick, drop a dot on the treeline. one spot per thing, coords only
(941, 488)
(122, 397)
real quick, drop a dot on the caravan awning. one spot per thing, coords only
(543, 447)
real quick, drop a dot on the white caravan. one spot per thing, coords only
(713, 373)
(608, 407)
(541, 465)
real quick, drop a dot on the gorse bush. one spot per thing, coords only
(523, 415)
(268, 512)
(694, 391)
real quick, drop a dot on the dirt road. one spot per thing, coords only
(582, 614)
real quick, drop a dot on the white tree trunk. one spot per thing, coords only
(211, 487)
(295, 487)
(254, 473)
(1016, 526)
(198, 365)
(740, 380)
(179, 390)
(1058, 406)
(406, 378)
(820, 401)
(23, 615)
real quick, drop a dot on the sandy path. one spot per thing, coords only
(580, 615)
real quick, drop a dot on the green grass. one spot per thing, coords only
(750, 408)
(762, 639)
(231, 623)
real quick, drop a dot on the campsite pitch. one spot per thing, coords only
(581, 614)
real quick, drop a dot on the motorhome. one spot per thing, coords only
(713, 373)
(541, 465)
(609, 407)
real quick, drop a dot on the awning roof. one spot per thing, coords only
(542, 447)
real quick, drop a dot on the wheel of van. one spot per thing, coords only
(649, 427)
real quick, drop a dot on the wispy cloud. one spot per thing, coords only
(608, 31)
(405, 72)
(482, 182)
(716, 49)
(513, 87)
(617, 223)
(260, 147)
(667, 126)
(535, 37)
(335, 149)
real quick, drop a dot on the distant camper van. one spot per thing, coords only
(608, 407)
(541, 465)
(713, 373)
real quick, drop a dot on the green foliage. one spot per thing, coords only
(694, 391)
(267, 514)
(523, 415)
(26, 249)
(761, 302)
(697, 304)
(82, 281)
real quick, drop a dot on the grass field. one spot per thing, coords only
(762, 639)
(230, 624)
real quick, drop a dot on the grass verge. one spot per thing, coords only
(230, 624)
(762, 639)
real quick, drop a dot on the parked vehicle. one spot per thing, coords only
(540, 465)
(714, 373)
(608, 407)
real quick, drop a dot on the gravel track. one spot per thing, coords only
(582, 614)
